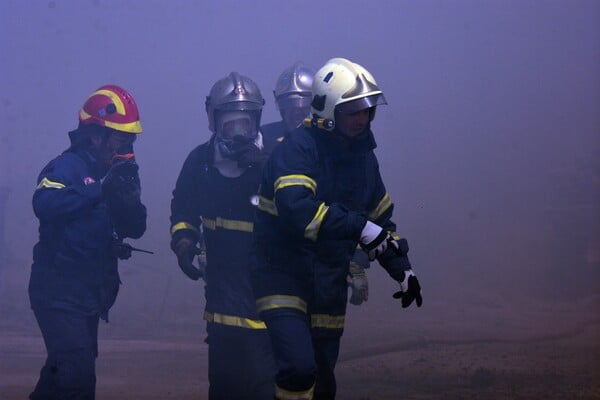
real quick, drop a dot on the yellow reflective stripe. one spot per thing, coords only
(267, 205)
(280, 301)
(47, 183)
(283, 394)
(312, 229)
(394, 235)
(130, 127)
(182, 225)
(295, 180)
(113, 97)
(229, 224)
(327, 321)
(232, 320)
(382, 207)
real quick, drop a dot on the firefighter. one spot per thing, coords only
(293, 94)
(321, 195)
(213, 207)
(87, 201)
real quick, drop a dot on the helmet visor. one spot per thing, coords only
(236, 123)
(361, 104)
(295, 101)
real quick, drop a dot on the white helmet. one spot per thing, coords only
(344, 86)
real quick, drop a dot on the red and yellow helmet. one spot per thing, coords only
(113, 107)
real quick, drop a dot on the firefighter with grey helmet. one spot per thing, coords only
(321, 195)
(212, 213)
(87, 200)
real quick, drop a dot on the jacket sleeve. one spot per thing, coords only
(185, 203)
(61, 194)
(295, 185)
(380, 212)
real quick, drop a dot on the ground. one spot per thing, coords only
(490, 348)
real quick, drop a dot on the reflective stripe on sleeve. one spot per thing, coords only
(228, 224)
(280, 301)
(327, 321)
(48, 184)
(182, 225)
(232, 320)
(267, 205)
(283, 394)
(295, 180)
(382, 207)
(312, 229)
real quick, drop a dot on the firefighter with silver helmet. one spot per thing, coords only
(293, 95)
(87, 201)
(212, 213)
(321, 195)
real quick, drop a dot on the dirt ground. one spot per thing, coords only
(490, 348)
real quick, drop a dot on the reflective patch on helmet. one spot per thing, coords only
(328, 77)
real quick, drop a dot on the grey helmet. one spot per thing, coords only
(235, 92)
(294, 86)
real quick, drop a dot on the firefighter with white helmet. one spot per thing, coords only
(87, 201)
(293, 95)
(212, 213)
(321, 195)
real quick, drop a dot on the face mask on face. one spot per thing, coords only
(236, 130)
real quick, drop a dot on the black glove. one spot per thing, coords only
(120, 250)
(121, 184)
(410, 290)
(185, 249)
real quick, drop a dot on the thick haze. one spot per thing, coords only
(489, 144)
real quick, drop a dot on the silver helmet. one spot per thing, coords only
(235, 92)
(293, 87)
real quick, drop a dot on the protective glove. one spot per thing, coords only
(120, 250)
(185, 249)
(121, 185)
(410, 290)
(357, 280)
(374, 240)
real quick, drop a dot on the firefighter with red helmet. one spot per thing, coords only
(87, 201)
(213, 207)
(321, 195)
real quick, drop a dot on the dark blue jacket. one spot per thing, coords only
(224, 208)
(317, 192)
(73, 268)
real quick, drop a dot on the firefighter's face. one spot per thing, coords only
(293, 116)
(352, 124)
(105, 147)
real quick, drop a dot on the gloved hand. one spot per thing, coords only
(410, 290)
(374, 240)
(121, 184)
(120, 250)
(202, 260)
(185, 249)
(357, 280)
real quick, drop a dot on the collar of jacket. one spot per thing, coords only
(342, 146)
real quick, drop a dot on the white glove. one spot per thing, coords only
(374, 240)
(357, 280)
